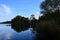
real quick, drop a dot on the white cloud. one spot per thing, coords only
(5, 12)
(7, 9)
(4, 9)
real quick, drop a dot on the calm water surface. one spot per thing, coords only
(7, 33)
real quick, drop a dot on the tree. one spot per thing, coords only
(50, 6)
(33, 21)
(48, 26)
(20, 23)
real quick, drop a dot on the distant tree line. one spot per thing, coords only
(6, 22)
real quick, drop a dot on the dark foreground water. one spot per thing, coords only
(7, 33)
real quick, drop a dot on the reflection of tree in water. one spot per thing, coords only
(17, 29)
(20, 23)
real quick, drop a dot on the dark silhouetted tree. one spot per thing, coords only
(20, 23)
(50, 6)
(48, 26)
(33, 21)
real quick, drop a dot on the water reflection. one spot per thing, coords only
(18, 28)
(6, 33)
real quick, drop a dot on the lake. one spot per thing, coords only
(7, 33)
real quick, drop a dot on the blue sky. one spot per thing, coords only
(10, 8)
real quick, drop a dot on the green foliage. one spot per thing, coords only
(48, 26)
(49, 5)
(20, 23)
(33, 21)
